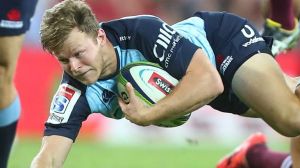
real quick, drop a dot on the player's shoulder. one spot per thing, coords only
(129, 21)
(136, 17)
(66, 98)
(139, 17)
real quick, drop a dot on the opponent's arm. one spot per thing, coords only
(295, 142)
(53, 152)
(295, 151)
(200, 85)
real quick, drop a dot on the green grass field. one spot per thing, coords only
(93, 154)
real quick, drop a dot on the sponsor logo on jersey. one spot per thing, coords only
(54, 117)
(249, 33)
(253, 40)
(124, 38)
(60, 103)
(167, 38)
(63, 103)
(107, 96)
(62, 99)
(160, 83)
(225, 64)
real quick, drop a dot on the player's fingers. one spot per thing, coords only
(129, 87)
(130, 90)
(122, 104)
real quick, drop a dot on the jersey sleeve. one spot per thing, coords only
(69, 108)
(162, 44)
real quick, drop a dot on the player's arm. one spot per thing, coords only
(69, 108)
(200, 85)
(53, 152)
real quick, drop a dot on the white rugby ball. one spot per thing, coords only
(151, 84)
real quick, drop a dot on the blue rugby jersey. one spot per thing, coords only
(136, 38)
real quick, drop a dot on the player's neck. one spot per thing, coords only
(109, 61)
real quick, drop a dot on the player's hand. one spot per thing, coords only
(135, 111)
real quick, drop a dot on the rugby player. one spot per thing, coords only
(220, 59)
(15, 18)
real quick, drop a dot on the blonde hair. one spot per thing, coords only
(61, 19)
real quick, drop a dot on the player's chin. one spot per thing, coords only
(88, 80)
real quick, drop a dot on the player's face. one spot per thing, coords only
(80, 57)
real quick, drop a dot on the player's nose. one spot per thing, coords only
(74, 66)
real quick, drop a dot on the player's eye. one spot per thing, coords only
(79, 54)
(63, 61)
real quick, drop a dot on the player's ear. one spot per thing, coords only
(101, 32)
(101, 36)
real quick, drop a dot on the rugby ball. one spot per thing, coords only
(151, 84)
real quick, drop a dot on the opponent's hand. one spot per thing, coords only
(135, 111)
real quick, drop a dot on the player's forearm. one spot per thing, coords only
(200, 85)
(194, 91)
(41, 161)
(53, 152)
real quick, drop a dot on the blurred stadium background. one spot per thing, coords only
(106, 143)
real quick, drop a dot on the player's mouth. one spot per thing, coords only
(82, 75)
